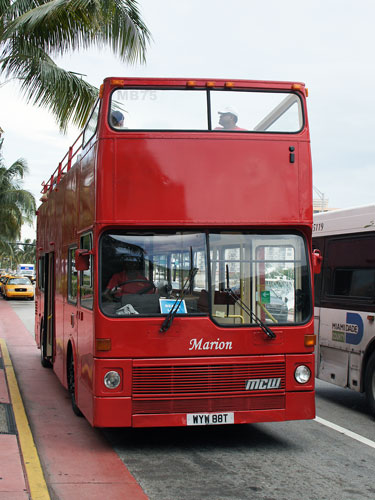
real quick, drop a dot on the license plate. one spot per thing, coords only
(209, 418)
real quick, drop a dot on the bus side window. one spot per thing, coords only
(72, 276)
(41, 273)
(349, 270)
(86, 277)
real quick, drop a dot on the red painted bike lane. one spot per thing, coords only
(76, 460)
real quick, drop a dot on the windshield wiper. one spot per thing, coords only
(253, 316)
(172, 313)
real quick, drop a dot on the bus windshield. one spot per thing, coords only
(205, 110)
(143, 273)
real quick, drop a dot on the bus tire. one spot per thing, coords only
(370, 383)
(71, 386)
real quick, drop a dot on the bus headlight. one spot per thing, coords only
(112, 380)
(302, 374)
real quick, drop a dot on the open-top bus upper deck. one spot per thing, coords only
(172, 157)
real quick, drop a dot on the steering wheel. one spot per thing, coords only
(150, 286)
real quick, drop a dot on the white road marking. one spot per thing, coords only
(348, 433)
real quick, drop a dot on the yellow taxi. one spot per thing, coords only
(3, 280)
(18, 287)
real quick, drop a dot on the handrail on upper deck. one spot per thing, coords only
(62, 168)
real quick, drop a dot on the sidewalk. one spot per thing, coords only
(21, 476)
(46, 452)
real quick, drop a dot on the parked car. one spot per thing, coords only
(18, 287)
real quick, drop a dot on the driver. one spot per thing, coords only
(129, 280)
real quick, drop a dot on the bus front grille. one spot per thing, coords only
(185, 381)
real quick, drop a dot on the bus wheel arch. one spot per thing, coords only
(71, 378)
(369, 382)
(370, 349)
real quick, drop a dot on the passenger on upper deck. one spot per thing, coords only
(129, 280)
(228, 120)
(117, 119)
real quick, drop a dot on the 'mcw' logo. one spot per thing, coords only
(261, 384)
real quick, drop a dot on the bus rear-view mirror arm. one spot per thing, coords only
(317, 260)
(82, 258)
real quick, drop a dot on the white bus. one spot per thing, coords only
(345, 299)
(25, 270)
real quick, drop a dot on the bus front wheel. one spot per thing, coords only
(71, 386)
(370, 383)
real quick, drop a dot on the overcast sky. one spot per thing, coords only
(328, 44)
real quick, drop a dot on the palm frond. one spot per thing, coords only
(59, 26)
(47, 85)
(31, 32)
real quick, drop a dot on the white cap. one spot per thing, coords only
(229, 110)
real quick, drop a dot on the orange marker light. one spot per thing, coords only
(101, 90)
(228, 85)
(310, 340)
(190, 83)
(307, 92)
(103, 344)
(210, 84)
(296, 86)
(117, 81)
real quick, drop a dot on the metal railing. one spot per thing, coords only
(64, 166)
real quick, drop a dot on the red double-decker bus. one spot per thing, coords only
(174, 281)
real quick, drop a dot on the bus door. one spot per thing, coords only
(85, 331)
(317, 244)
(71, 314)
(48, 325)
(316, 331)
(344, 298)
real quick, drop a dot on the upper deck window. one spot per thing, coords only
(153, 109)
(206, 110)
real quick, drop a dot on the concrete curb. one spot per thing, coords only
(28, 453)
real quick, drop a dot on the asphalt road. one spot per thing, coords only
(274, 461)
(26, 312)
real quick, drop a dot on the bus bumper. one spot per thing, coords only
(117, 412)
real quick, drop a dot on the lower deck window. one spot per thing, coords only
(234, 276)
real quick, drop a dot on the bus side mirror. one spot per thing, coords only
(317, 260)
(82, 259)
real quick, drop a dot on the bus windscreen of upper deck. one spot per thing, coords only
(205, 110)
(143, 274)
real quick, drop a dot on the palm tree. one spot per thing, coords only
(33, 31)
(17, 206)
(25, 252)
